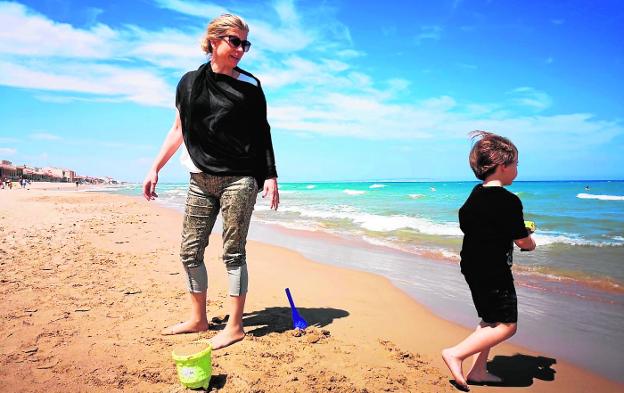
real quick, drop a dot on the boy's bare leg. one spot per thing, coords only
(233, 331)
(197, 322)
(482, 339)
(479, 372)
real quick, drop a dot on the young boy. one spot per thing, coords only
(491, 219)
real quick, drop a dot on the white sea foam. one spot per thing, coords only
(416, 196)
(377, 186)
(542, 240)
(415, 248)
(601, 197)
(353, 192)
(379, 223)
(175, 192)
(449, 254)
(310, 186)
(382, 223)
(296, 225)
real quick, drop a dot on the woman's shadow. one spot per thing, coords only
(519, 370)
(278, 319)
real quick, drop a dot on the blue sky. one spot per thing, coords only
(356, 90)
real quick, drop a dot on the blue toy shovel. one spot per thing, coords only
(298, 321)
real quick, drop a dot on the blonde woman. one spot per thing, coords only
(221, 121)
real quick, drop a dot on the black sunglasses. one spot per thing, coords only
(236, 42)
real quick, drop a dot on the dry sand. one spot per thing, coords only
(88, 280)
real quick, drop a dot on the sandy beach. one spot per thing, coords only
(88, 280)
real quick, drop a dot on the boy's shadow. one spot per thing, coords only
(519, 370)
(278, 319)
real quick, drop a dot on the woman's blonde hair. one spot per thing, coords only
(219, 26)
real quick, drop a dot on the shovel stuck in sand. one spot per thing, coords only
(298, 321)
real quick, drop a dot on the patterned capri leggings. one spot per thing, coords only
(235, 196)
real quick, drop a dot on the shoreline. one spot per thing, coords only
(375, 328)
(55, 186)
(522, 273)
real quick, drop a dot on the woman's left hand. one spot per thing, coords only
(270, 189)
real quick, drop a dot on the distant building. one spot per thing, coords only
(57, 174)
(51, 174)
(8, 170)
(25, 172)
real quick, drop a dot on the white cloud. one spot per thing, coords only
(60, 98)
(286, 36)
(467, 66)
(7, 151)
(286, 11)
(23, 32)
(349, 54)
(432, 33)
(39, 53)
(119, 84)
(375, 116)
(199, 9)
(102, 63)
(44, 136)
(398, 85)
(167, 48)
(530, 97)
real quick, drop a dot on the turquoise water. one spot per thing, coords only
(580, 233)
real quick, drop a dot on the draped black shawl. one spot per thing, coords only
(224, 124)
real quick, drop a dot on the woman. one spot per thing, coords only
(221, 118)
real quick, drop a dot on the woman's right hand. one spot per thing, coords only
(170, 145)
(149, 185)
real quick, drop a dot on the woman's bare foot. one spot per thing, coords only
(227, 337)
(454, 364)
(185, 327)
(483, 378)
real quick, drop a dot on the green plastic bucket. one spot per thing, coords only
(194, 365)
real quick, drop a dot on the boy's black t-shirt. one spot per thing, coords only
(491, 219)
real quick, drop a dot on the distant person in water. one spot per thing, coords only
(492, 221)
(221, 122)
(586, 188)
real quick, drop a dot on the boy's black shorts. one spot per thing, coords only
(495, 304)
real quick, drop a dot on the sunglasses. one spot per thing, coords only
(236, 42)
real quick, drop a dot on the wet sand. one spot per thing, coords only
(88, 280)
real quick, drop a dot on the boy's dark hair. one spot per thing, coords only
(490, 151)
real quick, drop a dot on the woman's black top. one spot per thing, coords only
(224, 124)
